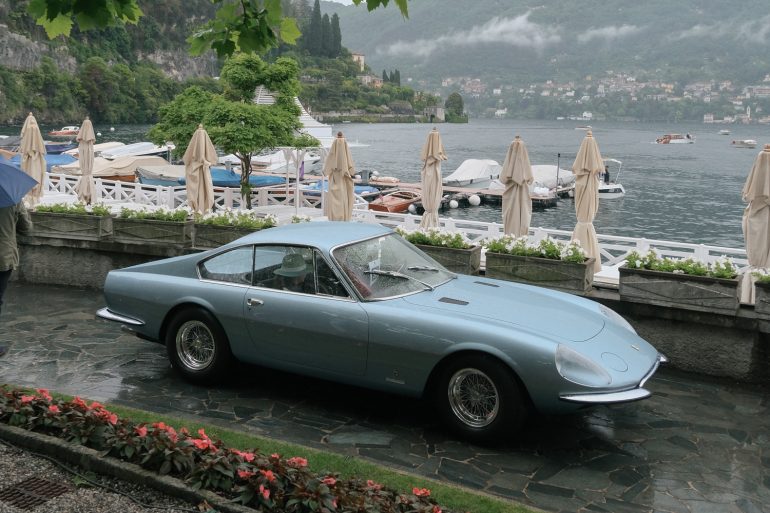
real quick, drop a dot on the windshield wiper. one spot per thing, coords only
(396, 274)
(422, 268)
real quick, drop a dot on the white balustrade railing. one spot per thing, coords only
(613, 248)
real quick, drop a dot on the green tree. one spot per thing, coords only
(314, 35)
(336, 46)
(234, 123)
(454, 104)
(326, 37)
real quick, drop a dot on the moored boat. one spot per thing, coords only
(396, 201)
(137, 150)
(608, 188)
(171, 175)
(675, 139)
(54, 147)
(724, 131)
(474, 174)
(744, 143)
(67, 131)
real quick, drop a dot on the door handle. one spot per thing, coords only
(252, 301)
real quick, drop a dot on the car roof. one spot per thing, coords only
(321, 234)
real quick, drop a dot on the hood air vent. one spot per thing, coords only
(453, 301)
(487, 284)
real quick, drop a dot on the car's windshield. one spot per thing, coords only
(389, 266)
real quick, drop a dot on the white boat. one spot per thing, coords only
(583, 127)
(675, 139)
(744, 143)
(275, 162)
(724, 131)
(609, 189)
(98, 148)
(474, 174)
(136, 150)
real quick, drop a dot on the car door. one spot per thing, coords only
(320, 327)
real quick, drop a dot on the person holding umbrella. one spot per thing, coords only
(14, 219)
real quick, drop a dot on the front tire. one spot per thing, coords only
(480, 398)
(197, 346)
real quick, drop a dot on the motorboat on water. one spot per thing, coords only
(365, 191)
(67, 131)
(98, 148)
(724, 131)
(395, 201)
(474, 174)
(173, 175)
(744, 143)
(137, 150)
(608, 188)
(675, 139)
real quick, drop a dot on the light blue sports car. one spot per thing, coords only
(356, 303)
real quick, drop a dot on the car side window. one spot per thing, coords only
(288, 268)
(328, 283)
(233, 266)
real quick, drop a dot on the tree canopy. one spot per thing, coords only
(236, 27)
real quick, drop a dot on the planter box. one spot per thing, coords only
(762, 299)
(699, 293)
(461, 261)
(150, 231)
(212, 236)
(544, 272)
(70, 226)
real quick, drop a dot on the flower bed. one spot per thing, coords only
(159, 226)
(72, 221)
(260, 481)
(452, 250)
(215, 229)
(548, 263)
(682, 283)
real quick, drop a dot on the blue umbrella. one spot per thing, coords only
(14, 184)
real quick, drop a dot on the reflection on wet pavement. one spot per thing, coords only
(697, 445)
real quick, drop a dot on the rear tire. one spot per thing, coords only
(480, 398)
(197, 346)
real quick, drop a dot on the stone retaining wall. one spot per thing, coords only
(710, 343)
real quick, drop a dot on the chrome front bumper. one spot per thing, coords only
(105, 313)
(624, 396)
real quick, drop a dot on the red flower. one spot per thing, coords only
(329, 481)
(43, 392)
(96, 406)
(141, 431)
(374, 486)
(201, 444)
(245, 474)
(160, 425)
(275, 456)
(436, 509)
(112, 418)
(264, 491)
(421, 492)
(26, 399)
(268, 475)
(296, 462)
(53, 408)
(77, 401)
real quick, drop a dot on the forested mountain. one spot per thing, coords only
(526, 41)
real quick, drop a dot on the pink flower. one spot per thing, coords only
(26, 399)
(264, 491)
(53, 408)
(160, 425)
(172, 434)
(374, 486)
(421, 492)
(202, 433)
(334, 503)
(96, 406)
(112, 418)
(275, 456)
(296, 462)
(329, 481)
(43, 392)
(184, 431)
(436, 509)
(245, 474)
(77, 401)
(268, 475)
(247, 456)
(141, 431)
(201, 444)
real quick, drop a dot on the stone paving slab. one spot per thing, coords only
(697, 445)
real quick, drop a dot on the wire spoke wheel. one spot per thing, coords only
(473, 397)
(195, 345)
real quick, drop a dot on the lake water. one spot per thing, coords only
(678, 192)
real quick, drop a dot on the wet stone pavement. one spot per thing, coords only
(698, 445)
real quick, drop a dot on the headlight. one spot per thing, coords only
(615, 316)
(580, 369)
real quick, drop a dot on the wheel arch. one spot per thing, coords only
(179, 307)
(459, 354)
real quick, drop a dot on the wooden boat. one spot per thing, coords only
(67, 131)
(396, 201)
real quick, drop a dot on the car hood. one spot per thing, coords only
(537, 309)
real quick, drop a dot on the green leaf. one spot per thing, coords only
(289, 31)
(165, 468)
(59, 26)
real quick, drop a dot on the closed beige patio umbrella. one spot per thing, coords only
(32, 149)
(516, 176)
(198, 158)
(340, 169)
(587, 168)
(756, 221)
(86, 139)
(432, 189)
